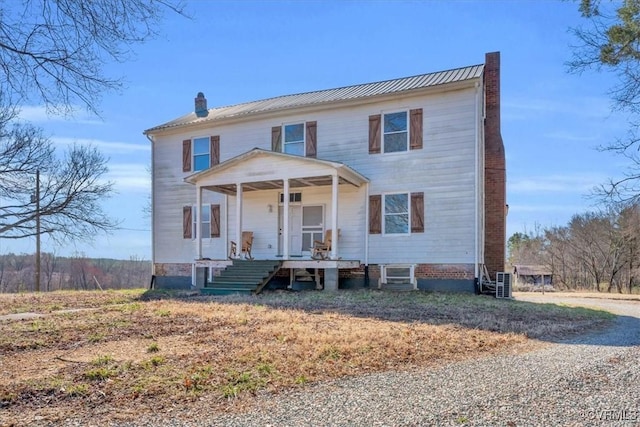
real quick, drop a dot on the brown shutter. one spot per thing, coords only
(417, 212)
(311, 142)
(215, 150)
(276, 139)
(186, 155)
(374, 134)
(187, 222)
(215, 220)
(375, 214)
(416, 129)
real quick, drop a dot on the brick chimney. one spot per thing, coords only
(495, 179)
(201, 105)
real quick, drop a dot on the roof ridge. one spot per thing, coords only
(315, 96)
(344, 87)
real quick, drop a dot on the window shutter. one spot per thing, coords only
(417, 212)
(187, 222)
(276, 139)
(186, 155)
(215, 220)
(215, 150)
(375, 214)
(416, 129)
(374, 134)
(311, 142)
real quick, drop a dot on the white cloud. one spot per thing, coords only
(39, 114)
(590, 107)
(545, 208)
(573, 137)
(109, 147)
(572, 183)
(129, 177)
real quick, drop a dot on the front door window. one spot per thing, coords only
(312, 226)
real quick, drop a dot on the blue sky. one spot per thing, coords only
(242, 51)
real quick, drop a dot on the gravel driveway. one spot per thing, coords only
(593, 380)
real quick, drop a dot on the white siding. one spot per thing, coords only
(444, 169)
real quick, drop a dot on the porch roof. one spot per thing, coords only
(259, 169)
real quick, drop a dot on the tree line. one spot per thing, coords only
(17, 273)
(598, 251)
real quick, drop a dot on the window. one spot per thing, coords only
(293, 197)
(294, 139)
(206, 221)
(201, 154)
(389, 214)
(396, 213)
(398, 274)
(210, 221)
(299, 139)
(312, 225)
(396, 132)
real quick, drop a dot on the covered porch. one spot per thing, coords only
(283, 229)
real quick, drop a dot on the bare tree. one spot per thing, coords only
(610, 41)
(527, 248)
(3, 263)
(50, 265)
(71, 188)
(55, 51)
(596, 249)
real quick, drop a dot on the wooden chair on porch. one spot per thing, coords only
(247, 242)
(322, 250)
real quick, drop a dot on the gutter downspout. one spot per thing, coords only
(477, 190)
(366, 235)
(153, 212)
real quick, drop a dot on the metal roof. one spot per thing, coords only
(329, 95)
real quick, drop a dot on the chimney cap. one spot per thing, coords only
(201, 105)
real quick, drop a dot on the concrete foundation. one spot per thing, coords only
(330, 279)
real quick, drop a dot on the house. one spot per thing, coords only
(532, 275)
(408, 174)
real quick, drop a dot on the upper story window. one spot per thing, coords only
(396, 132)
(294, 139)
(200, 153)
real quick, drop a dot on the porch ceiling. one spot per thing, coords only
(311, 181)
(274, 168)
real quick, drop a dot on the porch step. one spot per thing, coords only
(244, 276)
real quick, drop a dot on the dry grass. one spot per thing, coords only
(597, 295)
(151, 353)
(61, 300)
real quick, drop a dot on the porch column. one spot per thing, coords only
(334, 216)
(285, 220)
(198, 214)
(239, 219)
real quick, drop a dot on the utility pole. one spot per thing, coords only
(38, 230)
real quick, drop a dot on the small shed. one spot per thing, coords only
(532, 275)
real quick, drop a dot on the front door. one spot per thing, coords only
(295, 230)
